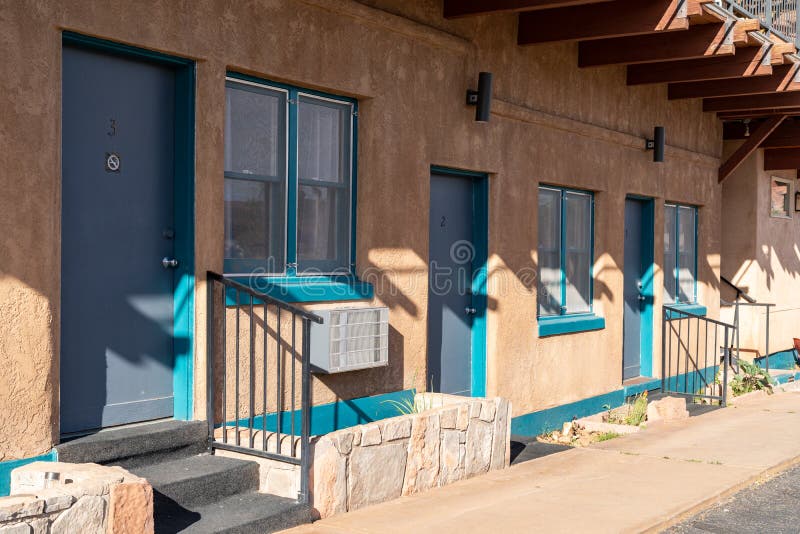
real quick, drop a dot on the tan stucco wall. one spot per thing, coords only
(760, 254)
(552, 123)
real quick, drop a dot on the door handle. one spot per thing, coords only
(642, 298)
(470, 311)
(169, 263)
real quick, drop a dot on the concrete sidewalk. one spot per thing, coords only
(642, 482)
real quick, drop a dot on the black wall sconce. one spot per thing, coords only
(482, 98)
(656, 144)
(797, 201)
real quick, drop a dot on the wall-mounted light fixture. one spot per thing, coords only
(656, 144)
(797, 201)
(746, 123)
(482, 98)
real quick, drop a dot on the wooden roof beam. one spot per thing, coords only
(469, 8)
(779, 159)
(756, 113)
(784, 78)
(603, 20)
(773, 101)
(785, 136)
(749, 146)
(697, 42)
(746, 62)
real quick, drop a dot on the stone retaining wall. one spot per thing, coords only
(450, 439)
(86, 498)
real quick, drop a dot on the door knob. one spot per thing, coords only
(470, 311)
(169, 262)
(642, 298)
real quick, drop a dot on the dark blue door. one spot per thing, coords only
(633, 291)
(451, 308)
(117, 227)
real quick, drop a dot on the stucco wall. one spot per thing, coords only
(760, 254)
(552, 123)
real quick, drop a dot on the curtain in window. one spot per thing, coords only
(687, 252)
(255, 179)
(324, 176)
(549, 252)
(578, 251)
(670, 254)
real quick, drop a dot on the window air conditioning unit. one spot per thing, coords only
(350, 339)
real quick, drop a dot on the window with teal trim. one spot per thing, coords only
(680, 254)
(565, 251)
(289, 160)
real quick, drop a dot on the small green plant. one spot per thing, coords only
(751, 378)
(607, 436)
(404, 406)
(637, 412)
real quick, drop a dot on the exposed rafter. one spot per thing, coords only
(749, 146)
(603, 20)
(751, 61)
(785, 136)
(698, 42)
(756, 113)
(777, 101)
(779, 159)
(784, 78)
(466, 8)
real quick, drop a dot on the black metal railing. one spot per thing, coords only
(776, 16)
(695, 351)
(253, 379)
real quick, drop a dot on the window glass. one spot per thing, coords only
(578, 251)
(670, 254)
(564, 252)
(255, 179)
(780, 193)
(323, 205)
(687, 252)
(549, 252)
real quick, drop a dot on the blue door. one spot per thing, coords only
(455, 302)
(637, 290)
(118, 240)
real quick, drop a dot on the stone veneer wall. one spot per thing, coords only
(450, 439)
(87, 498)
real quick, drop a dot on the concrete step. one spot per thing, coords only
(200, 480)
(138, 445)
(243, 513)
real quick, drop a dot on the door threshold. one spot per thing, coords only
(69, 436)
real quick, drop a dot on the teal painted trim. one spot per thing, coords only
(542, 421)
(648, 288)
(7, 467)
(786, 360)
(785, 379)
(696, 309)
(570, 324)
(183, 208)
(305, 288)
(480, 242)
(334, 416)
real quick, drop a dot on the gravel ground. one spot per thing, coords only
(771, 507)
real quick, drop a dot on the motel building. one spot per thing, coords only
(231, 229)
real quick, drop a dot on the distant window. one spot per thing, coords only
(566, 220)
(680, 254)
(780, 197)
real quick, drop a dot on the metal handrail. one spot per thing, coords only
(739, 292)
(688, 373)
(252, 422)
(736, 322)
(778, 17)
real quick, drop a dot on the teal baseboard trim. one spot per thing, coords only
(695, 309)
(785, 360)
(303, 289)
(10, 465)
(543, 421)
(786, 378)
(334, 416)
(570, 324)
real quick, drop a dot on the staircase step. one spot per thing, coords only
(138, 445)
(200, 480)
(244, 513)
